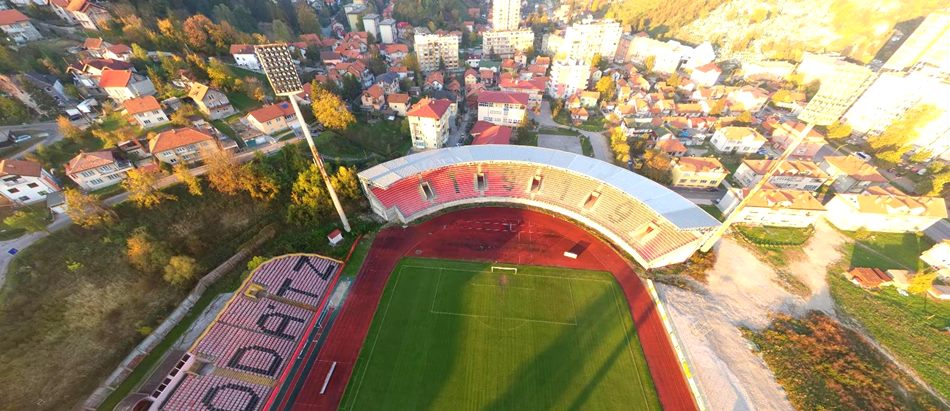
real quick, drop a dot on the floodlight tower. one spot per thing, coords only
(828, 105)
(279, 67)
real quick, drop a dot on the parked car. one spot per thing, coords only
(20, 139)
(863, 156)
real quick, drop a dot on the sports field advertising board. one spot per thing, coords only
(279, 67)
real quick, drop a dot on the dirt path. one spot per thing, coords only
(822, 250)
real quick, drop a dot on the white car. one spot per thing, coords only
(20, 139)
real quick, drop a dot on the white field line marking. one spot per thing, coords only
(503, 318)
(626, 336)
(519, 274)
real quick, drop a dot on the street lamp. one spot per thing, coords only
(836, 94)
(279, 68)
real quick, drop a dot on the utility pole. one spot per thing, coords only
(836, 94)
(279, 67)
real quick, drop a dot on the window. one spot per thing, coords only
(96, 181)
(32, 185)
(427, 192)
(24, 198)
(13, 190)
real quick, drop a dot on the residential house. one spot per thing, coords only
(850, 174)
(671, 146)
(435, 81)
(398, 102)
(885, 210)
(122, 85)
(17, 27)
(791, 174)
(486, 76)
(773, 207)
(470, 77)
(484, 132)
(273, 119)
(244, 56)
(430, 122)
(697, 172)
(211, 102)
(938, 256)
(742, 140)
(145, 111)
(579, 115)
(785, 133)
(89, 15)
(589, 98)
(502, 108)
(394, 52)
(389, 82)
(183, 144)
(747, 98)
(25, 182)
(120, 52)
(706, 75)
(97, 169)
(373, 98)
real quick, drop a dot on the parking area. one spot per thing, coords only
(571, 144)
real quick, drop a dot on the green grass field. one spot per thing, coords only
(454, 335)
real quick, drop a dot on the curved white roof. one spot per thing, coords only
(672, 206)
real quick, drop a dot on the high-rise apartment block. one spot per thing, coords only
(433, 49)
(506, 15)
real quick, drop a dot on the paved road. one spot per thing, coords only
(597, 140)
(700, 195)
(48, 127)
(62, 221)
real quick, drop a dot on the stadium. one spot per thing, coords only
(504, 281)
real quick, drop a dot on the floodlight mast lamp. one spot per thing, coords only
(825, 108)
(278, 65)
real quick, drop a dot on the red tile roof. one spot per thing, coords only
(171, 139)
(375, 91)
(92, 43)
(429, 108)
(670, 145)
(115, 78)
(242, 49)
(536, 84)
(272, 111)
(502, 97)
(488, 133)
(398, 98)
(20, 168)
(87, 161)
(12, 16)
(141, 105)
(119, 49)
(869, 277)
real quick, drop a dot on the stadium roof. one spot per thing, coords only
(678, 210)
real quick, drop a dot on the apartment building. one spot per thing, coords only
(800, 175)
(742, 140)
(885, 210)
(435, 49)
(582, 40)
(25, 182)
(697, 172)
(97, 169)
(502, 108)
(505, 44)
(850, 174)
(773, 207)
(533, 87)
(666, 55)
(183, 144)
(505, 14)
(17, 27)
(568, 77)
(387, 31)
(430, 122)
(146, 111)
(927, 49)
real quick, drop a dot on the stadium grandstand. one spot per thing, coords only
(656, 226)
(243, 356)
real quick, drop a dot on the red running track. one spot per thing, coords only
(508, 235)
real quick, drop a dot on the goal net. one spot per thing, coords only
(504, 270)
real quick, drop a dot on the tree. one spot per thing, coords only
(260, 181)
(87, 210)
(145, 253)
(674, 80)
(224, 173)
(607, 88)
(221, 76)
(309, 199)
(346, 185)
(839, 130)
(657, 165)
(139, 52)
(556, 106)
(197, 30)
(180, 270)
(922, 155)
(329, 109)
(68, 130)
(718, 107)
(141, 187)
(904, 129)
(619, 145)
(13, 111)
(29, 219)
(184, 175)
(782, 96)
(649, 63)
(307, 20)
(744, 117)
(281, 31)
(940, 181)
(921, 282)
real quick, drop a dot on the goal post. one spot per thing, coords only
(503, 270)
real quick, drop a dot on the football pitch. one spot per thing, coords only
(458, 335)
